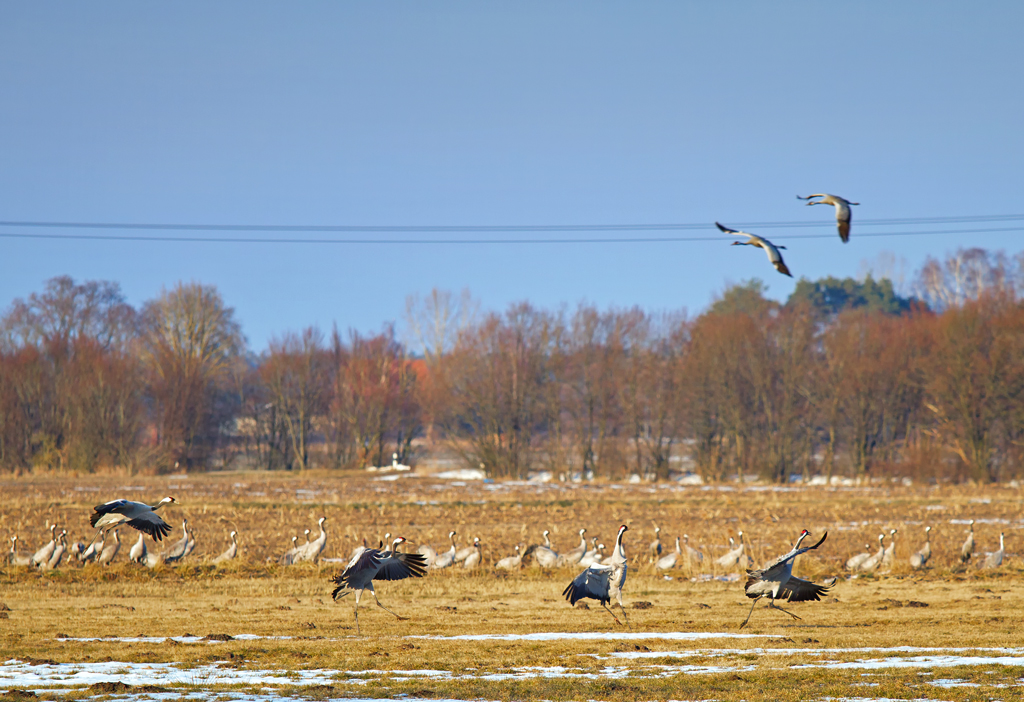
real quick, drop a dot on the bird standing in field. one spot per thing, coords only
(843, 213)
(692, 554)
(968, 548)
(374, 564)
(654, 550)
(890, 553)
(774, 257)
(545, 556)
(602, 582)
(109, 550)
(473, 560)
(177, 551)
(511, 562)
(58, 552)
(776, 581)
(16, 559)
(231, 552)
(734, 557)
(871, 563)
(43, 554)
(137, 554)
(574, 556)
(920, 559)
(995, 559)
(854, 562)
(136, 514)
(443, 560)
(669, 560)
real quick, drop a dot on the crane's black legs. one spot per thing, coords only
(771, 605)
(611, 613)
(400, 618)
(750, 612)
(625, 617)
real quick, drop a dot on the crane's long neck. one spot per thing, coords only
(618, 544)
(678, 548)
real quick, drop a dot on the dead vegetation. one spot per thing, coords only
(946, 606)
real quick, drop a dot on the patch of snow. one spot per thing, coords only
(599, 636)
(461, 474)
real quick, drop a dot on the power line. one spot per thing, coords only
(591, 240)
(907, 221)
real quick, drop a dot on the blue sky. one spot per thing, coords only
(459, 113)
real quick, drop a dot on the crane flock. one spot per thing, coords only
(843, 218)
(599, 577)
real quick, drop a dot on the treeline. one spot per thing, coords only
(846, 378)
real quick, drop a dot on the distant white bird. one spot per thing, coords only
(230, 553)
(573, 557)
(136, 514)
(137, 554)
(43, 554)
(854, 562)
(14, 558)
(889, 557)
(177, 551)
(374, 564)
(464, 553)
(774, 257)
(58, 552)
(545, 556)
(735, 557)
(968, 548)
(93, 550)
(312, 550)
(603, 583)
(443, 560)
(511, 562)
(920, 559)
(870, 564)
(654, 550)
(843, 213)
(473, 559)
(670, 559)
(995, 559)
(776, 581)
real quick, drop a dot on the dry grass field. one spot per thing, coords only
(254, 630)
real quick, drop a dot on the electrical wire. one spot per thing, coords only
(493, 228)
(588, 240)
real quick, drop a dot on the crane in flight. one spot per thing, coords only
(843, 213)
(774, 257)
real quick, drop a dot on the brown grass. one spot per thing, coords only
(966, 607)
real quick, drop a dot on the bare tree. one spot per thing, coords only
(191, 339)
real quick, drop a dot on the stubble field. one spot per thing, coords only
(253, 630)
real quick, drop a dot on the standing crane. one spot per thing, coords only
(511, 562)
(137, 554)
(654, 550)
(995, 559)
(312, 550)
(177, 551)
(473, 560)
(232, 551)
(968, 548)
(137, 515)
(58, 552)
(774, 257)
(734, 557)
(374, 564)
(43, 554)
(920, 559)
(288, 557)
(602, 582)
(574, 556)
(464, 553)
(109, 550)
(776, 581)
(669, 560)
(843, 213)
(854, 562)
(443, 560)
(890, 553)
(545, 556)
(16, 559)
(873, 562)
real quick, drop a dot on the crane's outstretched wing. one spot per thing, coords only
(112, 507)
(800, 590)
(151, 523)
(591, 583)
(398, 566)
(737, 232)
